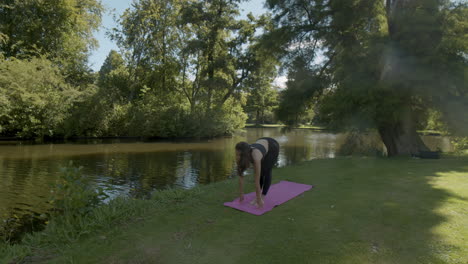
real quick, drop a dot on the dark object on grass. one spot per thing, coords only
(429, 154)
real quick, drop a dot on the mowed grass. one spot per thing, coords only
(361, 210)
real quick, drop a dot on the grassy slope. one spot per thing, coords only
(361, 210)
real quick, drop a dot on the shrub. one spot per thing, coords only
(34, 98)
(73, 193)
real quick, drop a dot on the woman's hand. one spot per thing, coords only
(241, 188)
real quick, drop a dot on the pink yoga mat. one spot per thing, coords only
(279, 193)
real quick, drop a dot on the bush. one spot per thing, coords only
(460, 144)
(361, 143)
(73, 193)
(34, 98)
(153, 117)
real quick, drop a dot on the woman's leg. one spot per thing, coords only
(270, 161)
(266, 181)
(262, 177)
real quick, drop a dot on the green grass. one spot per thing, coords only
(361, 210)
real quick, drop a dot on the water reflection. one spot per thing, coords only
(138, 168)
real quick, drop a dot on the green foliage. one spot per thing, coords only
(182, 86)
(103, 109)
(262, 97)
(460, 144)
(363, 64)
(14, 227)
(184, 68)
(224, 121)
(87, 117)
(154, 116)
(435, 121)
(60, 30)
(35, 99)
(67, 229)
(64, 230)
(114, 79)
(44, 46)
(73, 193)
(361, 144)
(303, 88)
(179, 121)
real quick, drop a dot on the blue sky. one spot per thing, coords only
(118, 7)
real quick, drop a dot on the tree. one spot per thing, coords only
(367, 67)
(302, 83)
(226, 49)
(60, 30)
(262, 100)
(192, 58)
(152, 43)
(262, 96)
(114, 79)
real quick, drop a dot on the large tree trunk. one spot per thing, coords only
(402, 138)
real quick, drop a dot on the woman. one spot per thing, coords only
(264, 155)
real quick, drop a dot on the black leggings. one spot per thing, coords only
(268, 162)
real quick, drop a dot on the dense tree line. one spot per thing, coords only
(184, 69)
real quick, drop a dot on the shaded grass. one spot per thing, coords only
(361, 210)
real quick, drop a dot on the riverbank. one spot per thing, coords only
(361, 210)
(15, 140)
(284, 126)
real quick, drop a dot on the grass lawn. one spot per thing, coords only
(361, 210)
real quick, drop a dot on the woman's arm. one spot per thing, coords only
(257, 157)
(241, 188)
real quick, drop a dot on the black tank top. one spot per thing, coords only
(259, 147)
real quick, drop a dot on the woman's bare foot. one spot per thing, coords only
(255, 203)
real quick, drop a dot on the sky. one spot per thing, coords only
(116, 8)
